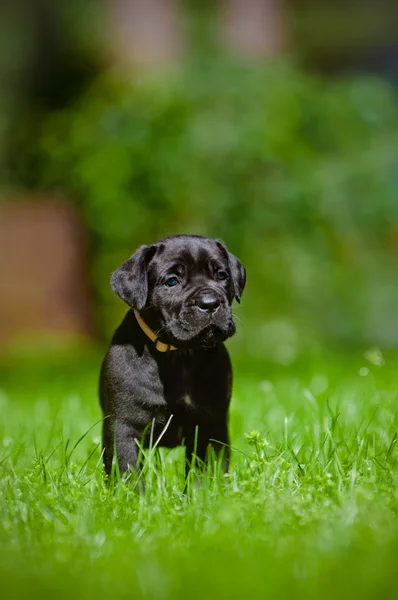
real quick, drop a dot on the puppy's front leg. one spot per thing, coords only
(119, 434)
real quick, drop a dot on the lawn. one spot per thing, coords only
(309, 508)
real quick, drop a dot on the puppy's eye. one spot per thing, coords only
(221, 275)
(171, 282)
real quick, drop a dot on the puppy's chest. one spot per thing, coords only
(184, 392)
(182, 396)
(192, 390)
(190, 397)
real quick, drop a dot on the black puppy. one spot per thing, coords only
(167, 370)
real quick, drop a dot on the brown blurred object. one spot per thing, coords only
(255, 28)
(42, 272)
(144, 33)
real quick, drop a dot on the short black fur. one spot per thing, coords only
(183, 288)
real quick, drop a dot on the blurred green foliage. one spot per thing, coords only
(298, 175)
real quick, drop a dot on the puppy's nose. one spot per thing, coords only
(208, 301)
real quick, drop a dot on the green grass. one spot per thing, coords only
(309, 508)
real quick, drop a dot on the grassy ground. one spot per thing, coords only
(308, 509)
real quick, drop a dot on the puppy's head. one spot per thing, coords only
(183, 286)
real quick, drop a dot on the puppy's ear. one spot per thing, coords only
(130, 280)
(238, 271)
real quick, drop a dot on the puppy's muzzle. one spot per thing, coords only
(207, 301)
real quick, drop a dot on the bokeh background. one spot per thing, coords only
(271, 124)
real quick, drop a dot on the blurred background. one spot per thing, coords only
(271, 124)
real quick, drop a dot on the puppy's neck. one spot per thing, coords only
(152, 335)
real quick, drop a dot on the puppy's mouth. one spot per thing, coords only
(208, 337)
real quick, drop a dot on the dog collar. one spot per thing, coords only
(160, 346)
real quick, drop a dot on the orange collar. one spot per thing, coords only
(160, 346)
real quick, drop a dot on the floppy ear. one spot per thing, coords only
(130, 280)
(238, 272)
